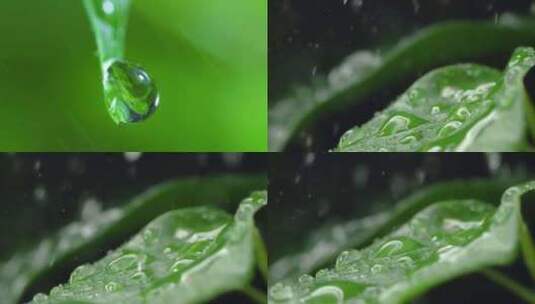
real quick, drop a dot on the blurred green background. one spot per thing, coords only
(209, 60)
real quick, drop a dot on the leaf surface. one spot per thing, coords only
(366, 72)
(443, 241)
(85, 240)
(184, 256)
(324, 244)
(463, 107)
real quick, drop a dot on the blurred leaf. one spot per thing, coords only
(189, 254)
(445, 240)
(457, 108)
(86, 240)
(366, 72)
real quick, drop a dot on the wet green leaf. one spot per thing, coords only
(364, 73)
(463, 107)
(324, 244)
(85, 240)
(443, 241)
(188, 254)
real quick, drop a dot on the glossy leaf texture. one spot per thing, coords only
(444, 240)
(324, 244)
(83, 241)
(184, 256)
(464, 107)
(366, 72)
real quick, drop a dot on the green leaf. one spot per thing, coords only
(190, 254)
(84, 241)
(324, 244)
(364, 73)
(463, 107)
(443, 241)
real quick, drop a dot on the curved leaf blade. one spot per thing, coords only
(190, 255)
(294, 115)
(324, 244)
(457, 108)
(443, 241)
(84, 240)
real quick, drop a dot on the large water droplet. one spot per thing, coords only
(394, 125)
(346, 258)
(397, 247)
(131, 94)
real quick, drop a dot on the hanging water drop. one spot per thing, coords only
(130, 92)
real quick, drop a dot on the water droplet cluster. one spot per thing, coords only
(164, 250)
(434, 235)
(445, 110)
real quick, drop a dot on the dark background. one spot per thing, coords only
(307, 38)
(40, 193)
(307, 191)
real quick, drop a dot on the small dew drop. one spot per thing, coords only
(449, 128)
(180, 264)
(306, 279)
(463, 113)
(130, 92)
(111, 286)
(149, 236)
(377, 268)
(280, 292)
(408, 139)
(395, 124)
(124, 262)
(81, 273)
(40, 298)
(139, 277)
